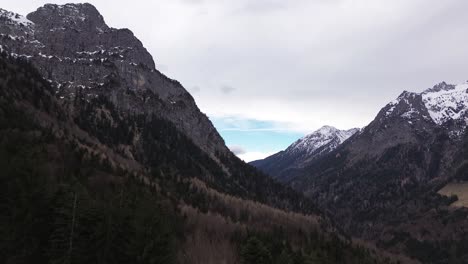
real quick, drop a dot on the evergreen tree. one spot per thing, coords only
(255, 252)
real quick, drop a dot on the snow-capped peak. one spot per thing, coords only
(446, 102)
(15, 18)
(325, 138)
(443, 102)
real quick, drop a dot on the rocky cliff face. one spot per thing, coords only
(81, 56)
(282, 164)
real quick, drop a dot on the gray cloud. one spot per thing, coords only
(195, 89)
(305, 62)
(162, 67)
(262, 6)
(192, 1)
(226, 89)
(238, 150)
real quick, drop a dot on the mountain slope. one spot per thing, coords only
(72, 46)
(96, 168)
(84, 59)
(303, 151)
(69, 170)
(382, 183)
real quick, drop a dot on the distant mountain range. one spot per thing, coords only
(382, 183)
(303, 151)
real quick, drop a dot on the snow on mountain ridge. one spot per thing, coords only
(443, 102)
(15, 18)
(326, 136)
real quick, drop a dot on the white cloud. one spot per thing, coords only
(251, 156)
(238, 150)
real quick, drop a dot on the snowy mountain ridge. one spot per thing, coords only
(14, 18)
(441, 104)
(448, 102)
(328, 136)
(304, 150)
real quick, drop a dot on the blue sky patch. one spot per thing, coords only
(254, 136)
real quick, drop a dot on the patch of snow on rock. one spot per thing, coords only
(445, 102)
(326, 135)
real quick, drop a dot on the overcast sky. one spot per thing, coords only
(268, 71)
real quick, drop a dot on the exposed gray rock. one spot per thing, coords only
(77, 52)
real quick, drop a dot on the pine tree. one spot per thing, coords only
(255, 252)
(63, 234)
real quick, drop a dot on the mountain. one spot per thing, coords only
(106, 160)
(84, 59)
(72, 46)
(302, 152)
(382, 183)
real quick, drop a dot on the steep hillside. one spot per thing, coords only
(100, 167)
(95, 186)
(74, 49)
(84, 59)
(302, 152)
(382, 183)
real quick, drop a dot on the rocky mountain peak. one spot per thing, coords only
(407, 106)
(15, 24)
(443, 86)
(8, 17)
(304, 150)
(440, 104)
(447, 102)
(327, 129)
(325, 136)
(76, 16)
(80, 55)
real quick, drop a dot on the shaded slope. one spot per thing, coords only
(130, 196)
(382, 183)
